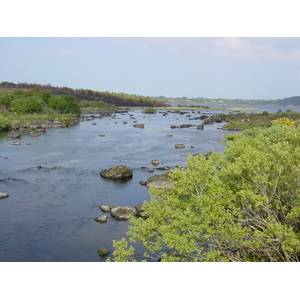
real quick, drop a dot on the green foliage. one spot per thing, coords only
(26, 105)
(149, 110)
(265, 119)
(243, 205)
(64, 104)
(5, 100)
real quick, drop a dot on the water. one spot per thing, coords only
(49, 213)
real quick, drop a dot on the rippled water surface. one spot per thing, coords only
(49, 213)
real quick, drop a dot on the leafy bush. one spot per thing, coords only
(27, 105)
(243, 205)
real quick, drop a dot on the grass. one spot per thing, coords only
(8, 119)
(264, 119)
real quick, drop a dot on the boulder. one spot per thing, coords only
(200, 127)
(139, 125)
(119, 172)
(123, 212)
(143, 182)
(102, 251)
(155, 162)
(101, 219)
(139, 210)
(179, 146)
(12, 136)
(2, 195)
(15, 143)
(105, 208)
(160, 181)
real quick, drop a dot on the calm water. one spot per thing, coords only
(49, 213)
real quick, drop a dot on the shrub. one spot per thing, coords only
(243, 205)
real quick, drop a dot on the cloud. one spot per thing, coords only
(258, 49)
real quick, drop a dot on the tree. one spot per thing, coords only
(64, 104)
(242, 205)
(5, 100)
(27, 105)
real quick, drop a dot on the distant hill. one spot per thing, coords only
(294, 101)
(114, 99)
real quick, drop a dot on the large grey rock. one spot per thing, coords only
(119, 172)
(160, 181)
(123, 212)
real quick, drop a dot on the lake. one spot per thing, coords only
(49, 213)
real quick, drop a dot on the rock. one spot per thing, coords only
(15, 143)
(169, 135)
(174, 126)
(123, 212)
(160, 181)
(200, 127)
(179, 146)
(2, 195)
(186, 125)
(150, 170)
(163, 168)
(102, 251)
(102, 219)
(155, 162)
(106, 208)
(27, 143)
(139, 125)
(139, 210)
(143, 182)
(39, 167)
(12, 136)
(101, 134)
(119, 172)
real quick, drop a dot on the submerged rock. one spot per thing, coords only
(119, 172)
(155, 162)
(160, 181)
(102, 251)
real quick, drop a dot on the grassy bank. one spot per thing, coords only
(264, 119)
(9, 119)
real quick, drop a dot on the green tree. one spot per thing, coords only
(27, 105)
(5, 100)
(64, 104)
(242, 205)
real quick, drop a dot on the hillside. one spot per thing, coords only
(114, 99)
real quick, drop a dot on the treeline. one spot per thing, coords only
(38, 101)
(293, 101)
(113, 99)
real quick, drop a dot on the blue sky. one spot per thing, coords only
(246, 68)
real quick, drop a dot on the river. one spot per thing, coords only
(49, 214)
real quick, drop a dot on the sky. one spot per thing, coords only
(201, 60)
